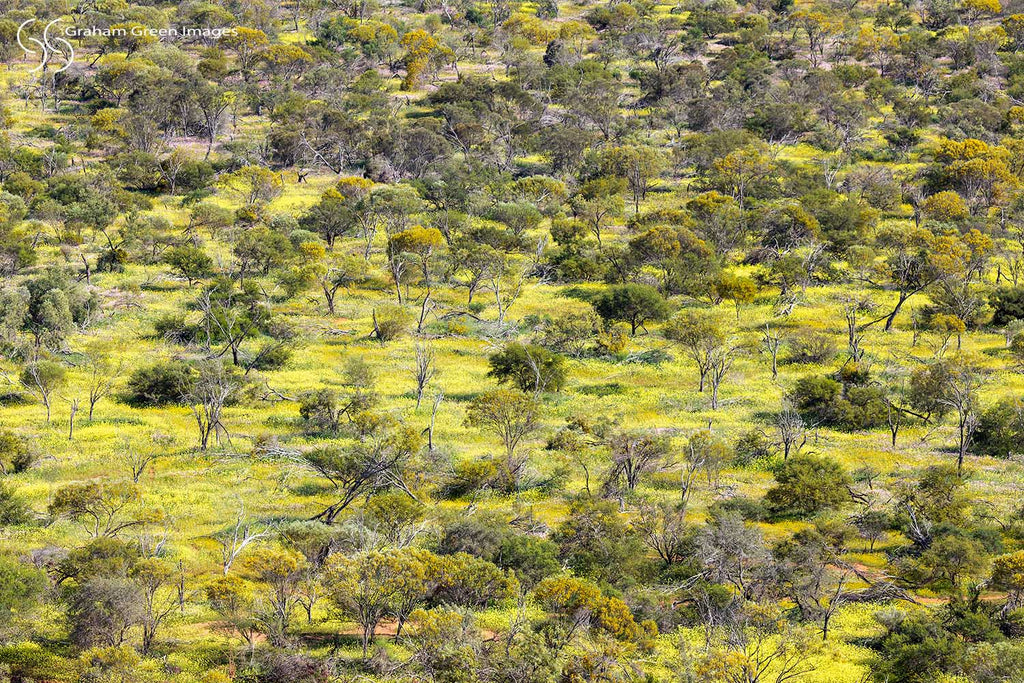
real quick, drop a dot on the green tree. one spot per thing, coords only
(42, 378)
(806, 484)
(512, 416)
(192, 263)
(528, 367)
(633, 304)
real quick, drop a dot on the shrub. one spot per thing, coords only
(13, 510)
(531, 558)
(752, 446)
(15, 454)
(815, 397)
(468, 476)
(808, 346)
(1007, 304)
(633, 304)
(478, 535)
(271, 357)
(319, 411)
(191, 262)
(570, 333)
(528, 367)
(918, 648)
(595, 542)
(390, 322)
(174, 329)
(1000, 431)
(824, 401)
(158, 385)
(807, 484)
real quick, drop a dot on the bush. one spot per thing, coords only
(808, 346)
(15, 454)
(158, 385)
(390, 322)
(319, 411)
(528, 367)
(918, 648)
(531, 558)
(271, 357)
(478, 535)
(824, 401)
(13, 510)
(570, 333)
(633, 304)
(815, 398)
(807, 484)
(174, 329)
(469, 476)
(751, 447)
(1000, 431)
(1007, 304)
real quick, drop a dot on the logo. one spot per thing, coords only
(50, 46)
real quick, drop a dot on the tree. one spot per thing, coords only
(758, 648)
(378, 463)
(191, 262)
(214, 386)
(633, 455)
(333, 278)
(102, 509)
(806, 484)
(631, 303)
(42, 378)
(20, 587)
(50, 306)
(772, 341)
(909, 267)
(252, 184)
(102, 377)
(814, 573)
(232, 598)
(342, 209)
(721, 364)
(212, 101)
(597, 202)
(281, 571)
(417, 244)
(738, 288)
(1008, 575)
(231, 316)
(528, 367)
(702, 340)
(663, 528)
(424, 370)
(151, 576)
(506, 278)
(512, 416)
(950, 386)
(367, 586)
(639, 165)
(103, 609)
(733, 552)
(234, 540)
(744, 173)
(790, 430)
(247, 44)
